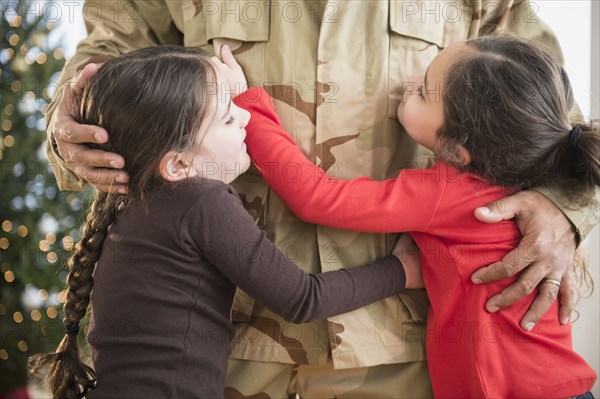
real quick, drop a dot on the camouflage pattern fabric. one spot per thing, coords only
(282, 381)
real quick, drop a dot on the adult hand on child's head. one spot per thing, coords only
(94, 166)
(232, 71)
(407, 251)
(545, 255)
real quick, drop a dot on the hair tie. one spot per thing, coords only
(574, 137)
(72, 329)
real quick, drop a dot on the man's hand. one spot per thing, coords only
(95, 166)
(232, 71)
(407, 251)
(545, 255)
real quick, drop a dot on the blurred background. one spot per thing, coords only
(40, 224)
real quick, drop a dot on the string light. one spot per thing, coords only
(4, 244)
(18, 317)
(7, 226)
(68, 243)
(44, 246)
(51, 238)
(30, 97)
(43, 294)
(16, 21)
(62, 296)
(36, 315)
(52, 312)
(58, 54)
(41, 58)
(52, 257)
(29, 58)
(9, 53)
(9, 109)
(22, 231)
(13, 39)
(6, 126)
(3, 354)
(9, 276)
(22, 345)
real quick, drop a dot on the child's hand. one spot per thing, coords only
(232, 71)
(407, 251)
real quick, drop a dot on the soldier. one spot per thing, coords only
(337, 71)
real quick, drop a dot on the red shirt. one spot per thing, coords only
(471, 352)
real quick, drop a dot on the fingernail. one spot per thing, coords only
(529, 326)
(122, 190)
(493, 309)
(99, 137)
(121, 179)
(565, 321)
(484, 210)
(476, 280)
(114, 164)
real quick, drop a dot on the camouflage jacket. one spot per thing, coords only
(336, 70)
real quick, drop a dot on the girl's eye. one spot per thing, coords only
(420, 92)
(230, 121)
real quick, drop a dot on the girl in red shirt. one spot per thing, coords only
(495, 112)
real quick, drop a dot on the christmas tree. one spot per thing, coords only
(40, 224)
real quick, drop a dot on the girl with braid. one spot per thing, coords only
(160, 264)
(495, 112)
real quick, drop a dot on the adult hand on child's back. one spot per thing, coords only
(407, 251)
(545, 255)
(232, 71)
(96, 167)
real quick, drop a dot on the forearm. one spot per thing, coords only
(228, 238)
(341, 291)
(361, 204)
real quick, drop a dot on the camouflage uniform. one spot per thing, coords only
(337, 71)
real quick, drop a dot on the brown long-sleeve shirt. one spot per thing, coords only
(164, 286)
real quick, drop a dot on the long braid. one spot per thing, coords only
(68, 376)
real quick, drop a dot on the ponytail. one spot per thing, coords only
(583, 149)
(68, 376)
(570, 163)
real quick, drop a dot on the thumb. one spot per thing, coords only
(227, 56)
(84, 77)
(496, 211)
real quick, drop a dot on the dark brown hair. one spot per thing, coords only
(150, 101)
(508, 103)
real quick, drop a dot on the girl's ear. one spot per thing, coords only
(174, 166)
(464, 154)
